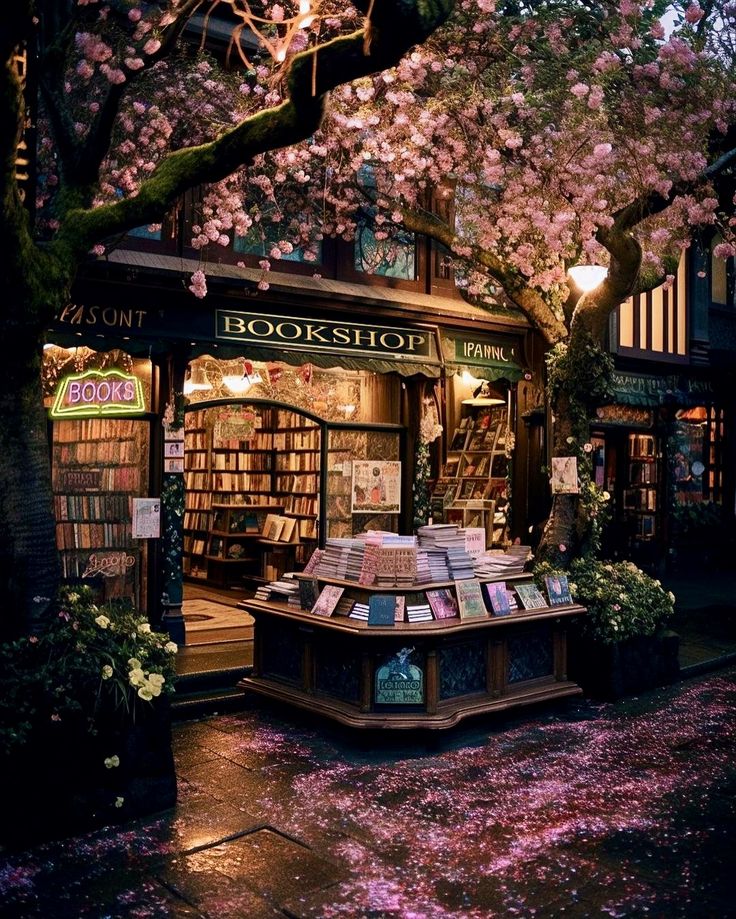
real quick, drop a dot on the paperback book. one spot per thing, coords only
(558, 590)
(498, 597)
(531, 596)
(470, 599)
(442, 603)
(328, 600)
(382, 609)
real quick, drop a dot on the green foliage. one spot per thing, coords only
(696, 519)
(583, 373)
(89, 662)
(622, 601)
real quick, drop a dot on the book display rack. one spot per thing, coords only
(450, 650)
(98, 466)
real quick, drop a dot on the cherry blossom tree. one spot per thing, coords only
(526, 138)
(131, 114)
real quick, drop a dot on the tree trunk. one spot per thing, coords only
(29, 567)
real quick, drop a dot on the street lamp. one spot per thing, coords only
(588, 277)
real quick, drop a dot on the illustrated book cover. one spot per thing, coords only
(328, 600)
(442, 603)
(382, 609)
(498, 597)
(531, 596)
(558, 590)
(470, 599)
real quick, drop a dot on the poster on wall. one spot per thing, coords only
(146, 518)
(376, 486)
(564, 479)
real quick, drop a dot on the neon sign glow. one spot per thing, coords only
(97, 392)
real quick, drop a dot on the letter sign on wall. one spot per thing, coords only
(97, 392)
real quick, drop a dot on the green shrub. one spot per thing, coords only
(89, 662)
(622, 601)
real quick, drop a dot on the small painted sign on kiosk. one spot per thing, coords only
(399, 682)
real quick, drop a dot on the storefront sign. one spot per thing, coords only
(482, 350)
(322, 335)
(96, 392)
(399, 682)
(108, 564)
(643, 389)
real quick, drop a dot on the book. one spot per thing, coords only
(442, 603)
(531, 596)
(314, 561)
(308, 593)
(558, 590)
(382, 609)
(498, 597)
(328, 600)
(287, 529)
(400, 610)
(470, 599)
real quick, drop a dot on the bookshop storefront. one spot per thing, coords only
(314, 420)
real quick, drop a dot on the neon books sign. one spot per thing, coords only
(98, 392)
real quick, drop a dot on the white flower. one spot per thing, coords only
(570, 440)
(111, 762)
(156, 679)
(145, 692)
(606, 496)
(144, 628)
(171, 647)
(588, 448)
(119, 801)
(106, 672)
(134, 663)
(73, 598)
(153, 688)
(102, 621)
(137, 677)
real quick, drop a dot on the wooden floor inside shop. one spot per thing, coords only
(218, 634)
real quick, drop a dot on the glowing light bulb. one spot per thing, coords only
(588, 277)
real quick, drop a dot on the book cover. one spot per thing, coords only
(400, 609)
(470, 599)
(498, 597)
(558, 590)
(314, 561)
(308, 592)
(274, 529)
(287, 530)
(531, 596)
(382, 609)
(328, 600)
(442, 603)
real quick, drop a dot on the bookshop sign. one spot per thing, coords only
(96, 393)
(323, 335)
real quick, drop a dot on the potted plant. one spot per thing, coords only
(622, 645)
(84, 720)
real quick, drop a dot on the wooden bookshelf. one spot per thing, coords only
(98, 466)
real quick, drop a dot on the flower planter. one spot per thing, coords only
(624, 668)
(59, 784)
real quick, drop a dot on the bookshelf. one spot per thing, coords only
(241, 463)
(406, 675)
(98, 466)
(472, 488)
(640, 495)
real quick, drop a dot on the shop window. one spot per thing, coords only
(655, 322)
(392, 257)
(264, 236)
(696, 452)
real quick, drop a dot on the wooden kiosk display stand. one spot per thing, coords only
(409, 674)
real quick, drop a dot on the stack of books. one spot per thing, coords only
(460, 564)
(282, 591)
(418, 609)
(359, 611)
(497, 564)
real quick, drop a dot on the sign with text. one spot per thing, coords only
(323, 335)
(146, 518)
(376, 487)
(399, 681)
(98, 392)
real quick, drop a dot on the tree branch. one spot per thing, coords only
(395, 27)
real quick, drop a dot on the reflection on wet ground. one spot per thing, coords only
(584, 809)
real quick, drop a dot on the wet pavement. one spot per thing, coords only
(581, 809)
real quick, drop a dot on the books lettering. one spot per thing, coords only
(498, 597)
(327, 600)
(470, 599)
(531, 596)
(558, 590)
(382, 609)
(442, 603)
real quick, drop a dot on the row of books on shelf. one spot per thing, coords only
(196, 440)
(104, 479)
(296, 440)
(241, 481)
(470, 599)
(195, 461)
(198, 500)
(92, 507)
(104, 564)
(641, 445)
(241, 462)
(107, 431)
(92, 535)
(297, 462)
(196, 520)
(98, 451)
(640, 499)
(288, 482)
(301, 504)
